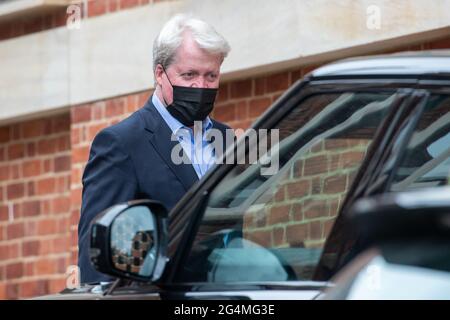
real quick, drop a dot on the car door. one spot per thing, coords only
(247, 232)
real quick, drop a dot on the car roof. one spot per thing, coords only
(404, 63)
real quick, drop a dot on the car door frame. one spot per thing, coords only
(187, 214)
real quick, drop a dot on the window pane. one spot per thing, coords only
(273, 228)
(427, 159)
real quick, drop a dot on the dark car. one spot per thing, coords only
(404, 248)
(352, 129)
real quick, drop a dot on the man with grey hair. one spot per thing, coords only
(133, 159)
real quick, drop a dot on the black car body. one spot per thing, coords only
(348, 130)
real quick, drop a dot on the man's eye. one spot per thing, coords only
(188, 75)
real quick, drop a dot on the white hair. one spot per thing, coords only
(171, 36)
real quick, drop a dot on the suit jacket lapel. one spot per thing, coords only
(160, 137)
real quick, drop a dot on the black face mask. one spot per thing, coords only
(191, 104)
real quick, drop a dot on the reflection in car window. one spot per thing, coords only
(426, 162)
(273, 228)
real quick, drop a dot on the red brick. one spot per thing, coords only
(76, 174)
(35, 128)
(15, 171)
(62, 163)
(30, 248)
(241, 89)
(315, 230)
(279, 214)
(143, 97)
(45, 267)
(278, 236)
(14, 270)
(31, 149)
(76, 136)
(278, 82)
(295, 75)
(75, 196)
(61, 123)
(297, 212)
(15, 191)
(15, 230)
(279, 194)
(48, 165)
(334, 162)
(61, 205)
(124, 4)
(94, 129)
(351, 159)
(16, 131)
(315, 209)
(258, 106)
(96, 8)
(10, 251)
(46, 186)
(132, 103)
(333, 144)
(4, 134)
(63, 143)
(31, 208)
(31, 228)
(335, 184)
(115, 107)
(46, 146)
(61, 244)
(80, 154)
(260, 86)
(28, 269)
(296, 234)
(56, 285)
(80, 114)
(47, 226)
(242, 110)
(12, 290)
(16, 151)
(263, 238)
(45, 247)
(31, 168)
(2, 285)
(226, 112)
(4, 172)
(298, 189)
(224, 93)
(315, 165)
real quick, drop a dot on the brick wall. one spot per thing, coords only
(41, 163)
(35, 168)
(58, 16)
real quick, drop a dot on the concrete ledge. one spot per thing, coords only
(111, 55)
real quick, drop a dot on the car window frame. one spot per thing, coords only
(291, 99)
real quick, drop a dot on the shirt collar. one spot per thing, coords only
(172, 122)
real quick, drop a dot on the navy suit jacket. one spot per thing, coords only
(130, 160)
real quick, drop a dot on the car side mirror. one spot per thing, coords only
(130, 240)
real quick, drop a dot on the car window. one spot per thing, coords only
(260, 227)
(426, 162)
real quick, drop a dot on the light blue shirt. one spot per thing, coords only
(199, 150)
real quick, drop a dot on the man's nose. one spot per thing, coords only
(200, 82)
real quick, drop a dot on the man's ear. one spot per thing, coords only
(158, 74)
